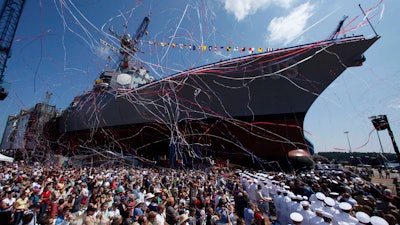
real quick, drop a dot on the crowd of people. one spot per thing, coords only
(42, 194)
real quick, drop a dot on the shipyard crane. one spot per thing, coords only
(9, 18)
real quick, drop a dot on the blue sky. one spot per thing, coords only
(57, 49)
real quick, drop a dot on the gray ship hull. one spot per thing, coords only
(249, 106)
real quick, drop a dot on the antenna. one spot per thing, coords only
(376, 34)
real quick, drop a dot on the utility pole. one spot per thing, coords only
(348, 140)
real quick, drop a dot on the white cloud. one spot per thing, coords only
(103, 52)
(286, 29)
(242, 8)
(395, 104)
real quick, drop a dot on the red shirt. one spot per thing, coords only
(46, 197)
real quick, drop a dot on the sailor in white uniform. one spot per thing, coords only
(344, 215)
(306, 213)
(319, 203)
(285, 213)
(277, 203)
(318, 217)
(327, 218)
(296, 218)
(334, 196)
(329, 206)
(253, 190)
(296, 207)
(292, 203)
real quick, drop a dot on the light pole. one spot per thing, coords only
(348, 140)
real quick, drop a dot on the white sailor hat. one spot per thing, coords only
(363, 217)
(305, 203)
(377, 220)
(296, 217)
(320, 196)
(334, 194)
(329, 201)
(327, 215)
(286, 187)
(319, 210)
(345, 206)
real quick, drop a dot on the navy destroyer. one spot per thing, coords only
(247, 110)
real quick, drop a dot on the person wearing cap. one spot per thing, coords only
(183, 220)
(318, 218)
(319, 203)
(329, 206)
(252, 190)
(384, 203)
(277, 200)
(344, 215)
(334, 196)
(296, 204)
(306, 212)
(296, 218)
(327, 218)
(363, 218)
(285, 211)
(258, 219)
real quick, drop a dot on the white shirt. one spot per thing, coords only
(344, 217)
(330, 210)
(285, 215)
(8, 202)
(160, 219)
(307, 216)
(316, 220)
(317, 204)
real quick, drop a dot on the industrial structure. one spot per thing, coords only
(26, 134)
(10, 14)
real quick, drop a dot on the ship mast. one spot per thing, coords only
(129, 44)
